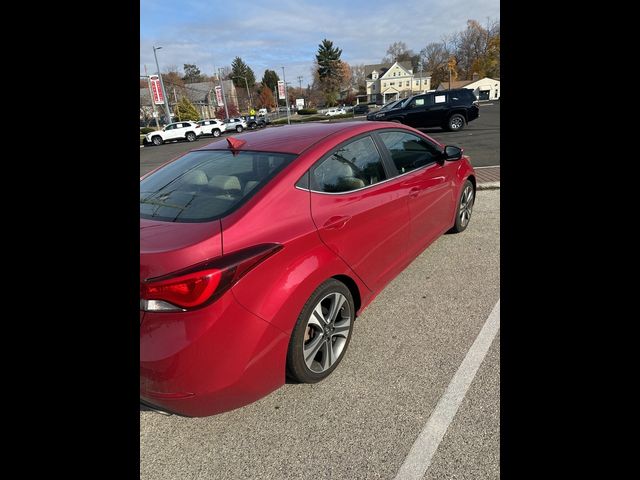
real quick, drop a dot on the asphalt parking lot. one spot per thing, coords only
(397, 381)
(480, 140)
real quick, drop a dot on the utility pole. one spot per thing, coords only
(275, 99)
(164, 92)
(286, 97)
(153, 104)
(224, 98)
(175, 99)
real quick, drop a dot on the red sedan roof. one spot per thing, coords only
(294, 138)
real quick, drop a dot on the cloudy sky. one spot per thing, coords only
(272, 34)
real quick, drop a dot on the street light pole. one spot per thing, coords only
(164, 92)
(224, 98)
(286, 97)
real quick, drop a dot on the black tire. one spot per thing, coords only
(157, 140)
(306, 330)
(455, 123)
(239, 128)
(464, 208)
(190, 136)
(253, 126)
(216, 132)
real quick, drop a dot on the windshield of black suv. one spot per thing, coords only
(205, 185)
(389, 106)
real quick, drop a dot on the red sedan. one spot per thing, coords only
(258, 253)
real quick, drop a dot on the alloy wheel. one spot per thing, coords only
(466, 205)
(326, 332)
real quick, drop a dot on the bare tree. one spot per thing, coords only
(476, 47)
(399, 52)
(357, 75)
(225, 72)
(434, 58)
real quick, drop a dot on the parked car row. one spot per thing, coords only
(191, 131)
(449, 109)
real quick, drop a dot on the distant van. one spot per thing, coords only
(262, 111)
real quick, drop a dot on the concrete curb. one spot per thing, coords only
(489, 186)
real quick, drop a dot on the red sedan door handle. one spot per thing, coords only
(336, 223)
(414, 192)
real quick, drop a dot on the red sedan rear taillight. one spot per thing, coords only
(202, 284)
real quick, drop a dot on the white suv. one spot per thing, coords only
(212, 127)
(335, 111)
(188, 131)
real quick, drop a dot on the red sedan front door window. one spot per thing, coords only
(431, 199)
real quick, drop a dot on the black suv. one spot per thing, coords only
(449, 109)
(259, 121)
(361, 108)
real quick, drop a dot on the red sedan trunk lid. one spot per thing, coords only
(166, 247)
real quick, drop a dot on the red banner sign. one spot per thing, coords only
(218, 90)
(280, 89)
(156, 89)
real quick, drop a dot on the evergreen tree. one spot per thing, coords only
(270, 79)
(192, 73)
(241, 69)
(330, 70)
(185, 110)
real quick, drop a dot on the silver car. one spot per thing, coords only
(237, 124)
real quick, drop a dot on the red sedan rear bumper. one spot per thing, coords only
(209, 360)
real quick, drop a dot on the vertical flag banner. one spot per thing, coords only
(156, 89)
(218, 90)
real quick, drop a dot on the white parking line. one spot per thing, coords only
(419, 458)
(489, 166)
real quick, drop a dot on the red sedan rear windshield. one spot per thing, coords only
(205, 185)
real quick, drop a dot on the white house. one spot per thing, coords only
(390, 82)
(484, 88)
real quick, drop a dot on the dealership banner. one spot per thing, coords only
(280, 89)
(156, 89)
(218, 90)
